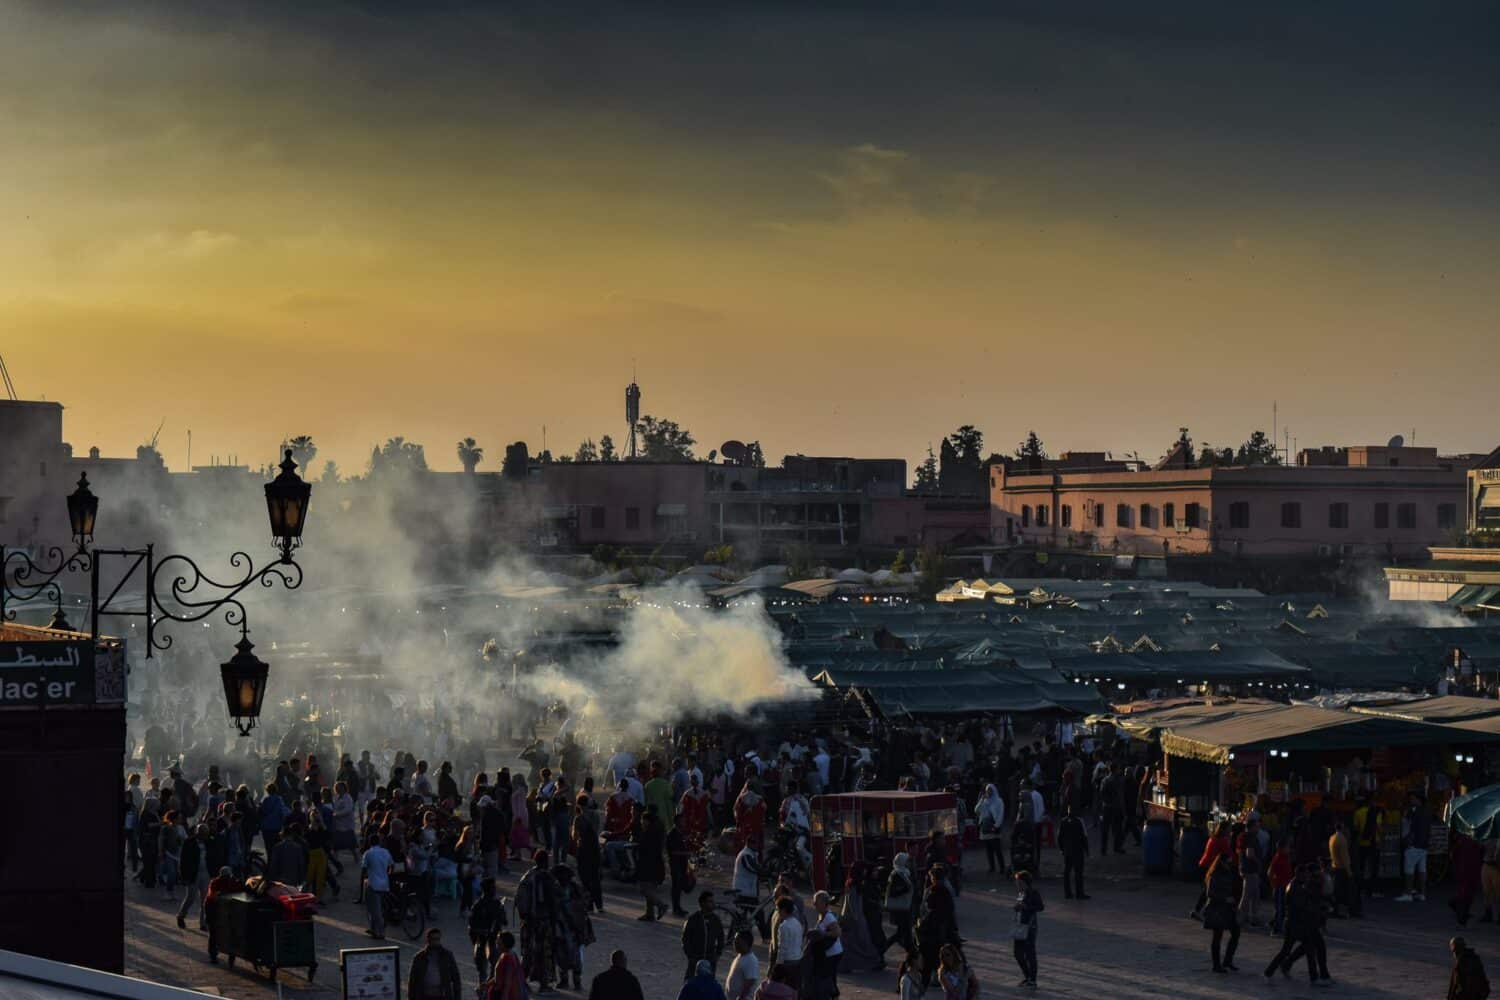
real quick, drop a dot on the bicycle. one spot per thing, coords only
(403, 909)
(749, 915)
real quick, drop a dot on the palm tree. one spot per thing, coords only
(303, 450)
(470, 454)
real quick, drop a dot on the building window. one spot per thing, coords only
(1338, 515)
(596, 518)
(1291, 515)
(1169, 515)
(1382, 516)
(1041, 515)
(1098, 515)
(1067, 515)
(1239, 514)
(1145, 515)
(1190, 515)
(1122, 515)
(1406, 516)
(632, 519)
(1447, 515)
(1026, 515)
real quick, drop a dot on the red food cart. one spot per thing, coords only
(873, 827)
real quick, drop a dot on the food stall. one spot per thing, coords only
(1223, 757)
(873, 827)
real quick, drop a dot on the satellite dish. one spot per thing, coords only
(734, 451)
(1396, 442)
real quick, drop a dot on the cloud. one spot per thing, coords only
(872, 176)
(193, 245)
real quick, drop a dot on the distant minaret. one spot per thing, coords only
(632, 411)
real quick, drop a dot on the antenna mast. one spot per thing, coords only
(10, 387)
(632, 411)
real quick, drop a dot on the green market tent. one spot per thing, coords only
(1477, 814)
(1195, 666)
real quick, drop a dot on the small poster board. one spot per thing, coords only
(371, 973)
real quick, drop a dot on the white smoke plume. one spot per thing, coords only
(677, 661)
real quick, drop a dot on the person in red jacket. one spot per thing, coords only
(1279, 874)
(1219, 844)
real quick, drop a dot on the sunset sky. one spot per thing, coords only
(836, 232)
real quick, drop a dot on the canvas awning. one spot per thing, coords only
(1297, 727)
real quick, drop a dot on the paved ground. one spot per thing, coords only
(1131, 940)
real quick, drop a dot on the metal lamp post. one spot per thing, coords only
(21, 579)
(176, 588)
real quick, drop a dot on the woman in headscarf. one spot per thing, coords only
(901, 899)
(989, 814)
(750, 816)
(860, 954)
(694, 810)
(520, 829)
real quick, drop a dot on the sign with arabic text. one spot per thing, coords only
(34, 674)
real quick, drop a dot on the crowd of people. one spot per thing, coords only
(654, 813)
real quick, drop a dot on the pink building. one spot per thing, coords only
(1383, 510)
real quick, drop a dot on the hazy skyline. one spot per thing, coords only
(835, 232)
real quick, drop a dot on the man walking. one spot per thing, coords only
(193, 873)
(434, 971)
(376, 864)
(1417, 834)
(703, 937)
(1073, 839)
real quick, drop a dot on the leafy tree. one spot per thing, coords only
(1259, 450)
(470, 454)
(798, 559)
(564, 458)
(932, 570)
(517, 461)
(398, 456)
(545, 457)
(754, 457)
(898, 565)
(330, 473)
(303, 451)
(1031, 451)
(664, 441)
(719, 555)
(927, 474)
(586, 452)
(606, 556)
(968, 445)
(607, 449)
(1210, 456)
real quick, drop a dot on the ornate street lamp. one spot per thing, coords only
(173, 587)
(83, 507)
(21, 579)
(244, 679)
(286, 501)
